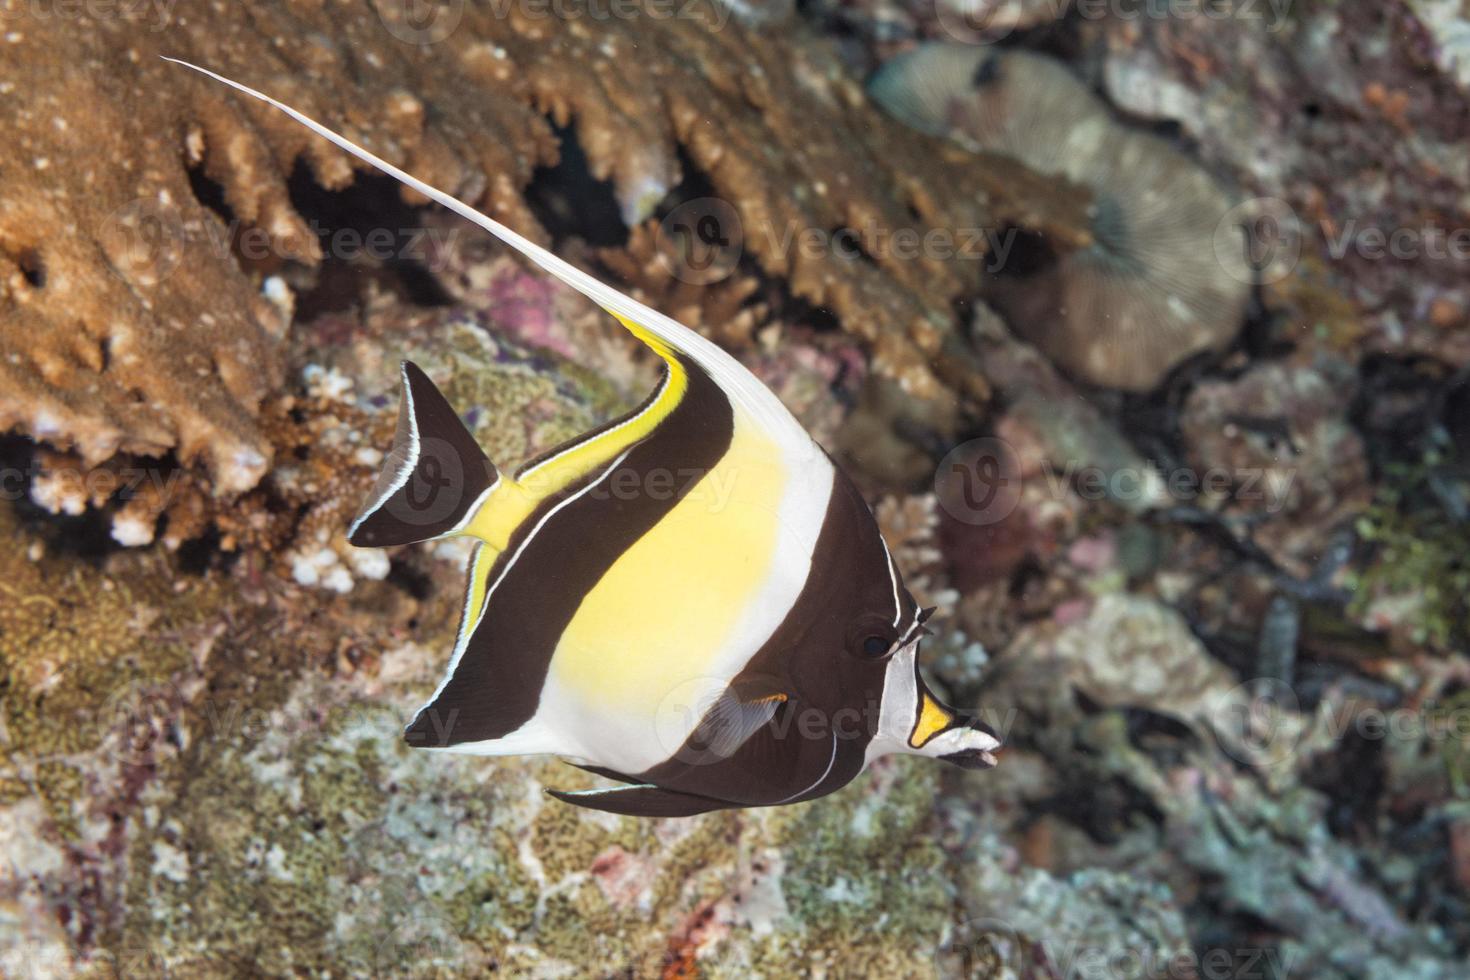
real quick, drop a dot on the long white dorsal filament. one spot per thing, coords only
(742, 387)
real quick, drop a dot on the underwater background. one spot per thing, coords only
(1143, 326)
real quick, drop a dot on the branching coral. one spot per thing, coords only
(126, 325)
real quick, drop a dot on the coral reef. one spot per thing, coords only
(207, 771)
(1298, 469)
(1214, 806)
(1325, 82)
(327, 435)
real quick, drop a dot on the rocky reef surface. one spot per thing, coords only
(1222, 622)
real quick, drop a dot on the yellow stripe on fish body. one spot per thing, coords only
(512, 501)
(671, 605)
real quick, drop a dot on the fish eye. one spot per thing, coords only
(871, 638)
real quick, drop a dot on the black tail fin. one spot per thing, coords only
(433, 478)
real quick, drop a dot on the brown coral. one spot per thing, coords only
(127, 327)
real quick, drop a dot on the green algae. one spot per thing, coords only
(519, 401)
(1420, 555)
(88, 654)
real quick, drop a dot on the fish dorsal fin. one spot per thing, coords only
(666, 336)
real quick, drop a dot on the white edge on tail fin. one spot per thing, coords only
(743, 387)
(405, 466)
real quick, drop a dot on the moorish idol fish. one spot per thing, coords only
(691, 600)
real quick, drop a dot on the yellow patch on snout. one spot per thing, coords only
(933, 719)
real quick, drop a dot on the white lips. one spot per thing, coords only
(965, 740)
(987, 744)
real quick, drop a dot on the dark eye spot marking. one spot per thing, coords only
(875, 646)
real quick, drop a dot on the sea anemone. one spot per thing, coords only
(1150, 291)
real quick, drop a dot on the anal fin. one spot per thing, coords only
(641, 800)
(606, 773)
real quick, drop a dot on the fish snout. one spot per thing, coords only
(978, 743)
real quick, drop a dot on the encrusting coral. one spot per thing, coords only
(1162, 278)
(127, 324)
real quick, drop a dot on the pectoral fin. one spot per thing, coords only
(731, 722)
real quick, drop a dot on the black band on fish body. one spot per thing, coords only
(817, 740)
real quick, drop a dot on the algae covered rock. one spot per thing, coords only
(313, 839)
